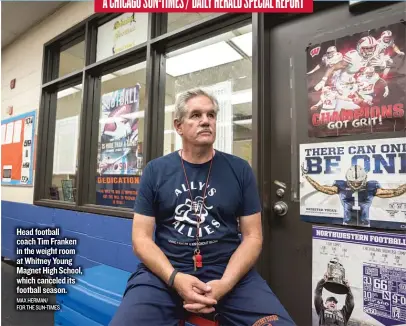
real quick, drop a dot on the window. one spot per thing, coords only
(65, 161)
(72, 59)
(107, 101)
(120, 34)
(222, 65)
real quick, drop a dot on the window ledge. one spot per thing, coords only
(93, 209)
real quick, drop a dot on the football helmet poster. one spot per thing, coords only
(357, 183)
(356, 84)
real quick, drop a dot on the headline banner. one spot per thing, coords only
(201, 6)
(359, 277)
(361, 183)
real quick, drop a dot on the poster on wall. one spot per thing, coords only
(119, 149)
(358, 278)
(120, 34)
(359, 183)
(357, 83)
(117, 190)
(17, 149)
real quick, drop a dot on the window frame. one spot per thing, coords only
(153, 52)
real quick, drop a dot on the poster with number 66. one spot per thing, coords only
(358, 278)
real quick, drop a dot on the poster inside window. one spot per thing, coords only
(358, 278)
(119, 160)
(357, 83)
(357, 183)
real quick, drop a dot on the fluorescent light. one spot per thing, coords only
(201, 44)
(66, 92)
(131, 69)
(243, 122)
(107, 77)
(124, 71)
(200, 59)
(244, 42)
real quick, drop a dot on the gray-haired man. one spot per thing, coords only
(197, 262)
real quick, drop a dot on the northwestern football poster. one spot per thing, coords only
(358, 278)
(356, 84)
(359, 183)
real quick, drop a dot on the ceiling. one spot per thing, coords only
(18, 16)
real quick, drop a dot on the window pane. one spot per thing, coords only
(66, 144)
(221, 65)
(121, 33)
(179, 20)
(121, 131)
(72, 59)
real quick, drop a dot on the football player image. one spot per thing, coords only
(328, 100)
(329, 314)
(356, 194)
(367, 83)
(353, 60)
(347, 90)
(331, 57)
(385, 42)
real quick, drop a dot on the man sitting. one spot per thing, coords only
(194, 197)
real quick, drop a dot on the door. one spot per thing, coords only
(286, 261)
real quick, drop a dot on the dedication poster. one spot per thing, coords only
(119, 151)
(357, 83)
(358, 278)
(361, 183)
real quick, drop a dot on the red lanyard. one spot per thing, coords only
(197, 257)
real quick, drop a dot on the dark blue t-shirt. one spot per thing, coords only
(163, 193)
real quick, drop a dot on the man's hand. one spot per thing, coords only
(194, 291)
(219, 288)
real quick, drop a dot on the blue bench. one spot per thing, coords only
(95, 297)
